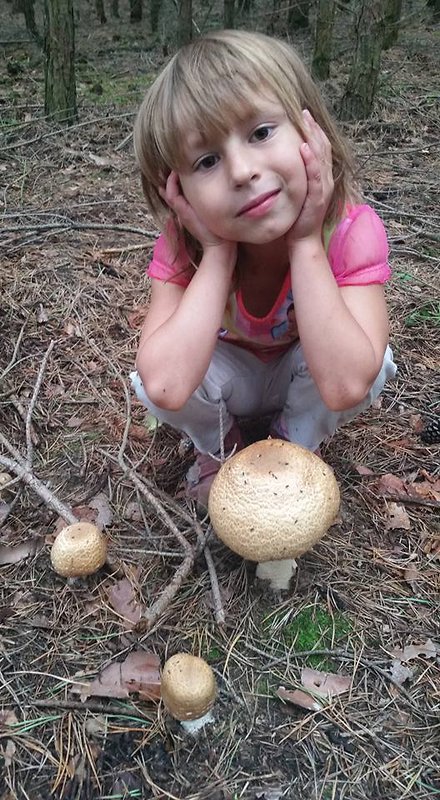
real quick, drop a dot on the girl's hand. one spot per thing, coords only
(316, 153)
(175, 199)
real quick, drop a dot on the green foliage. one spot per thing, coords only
(426, 314)
(312, 628)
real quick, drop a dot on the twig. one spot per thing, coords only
(401, 498)
(14, 354)
(96, 708)
(79, 226)
(29, 441)
(21, 470)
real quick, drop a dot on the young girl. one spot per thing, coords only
(267, 281)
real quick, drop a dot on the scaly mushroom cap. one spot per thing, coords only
(188, 686)
(273, 500)
(79, 549)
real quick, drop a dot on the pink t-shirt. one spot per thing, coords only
(357, 250)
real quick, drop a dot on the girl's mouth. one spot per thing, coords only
(259, 205)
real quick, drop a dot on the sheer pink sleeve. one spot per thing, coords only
(169, 264)
(358, 249)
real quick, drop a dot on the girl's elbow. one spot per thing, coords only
(342, 397)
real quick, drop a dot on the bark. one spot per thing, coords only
(358, 99)
(100, 11)
(274, 16)
(392, 12)
(298, 14)
(135, 10)
(228, 13)
(184, 22)
(59, 51)
(154, 14)
(325, 18)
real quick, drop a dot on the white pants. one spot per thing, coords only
(238, 384)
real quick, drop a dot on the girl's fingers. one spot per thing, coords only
(317, 139)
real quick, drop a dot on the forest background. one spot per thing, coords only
(75, 240)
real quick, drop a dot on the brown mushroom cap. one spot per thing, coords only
(273, 500)
(79, 549)
(188, 686)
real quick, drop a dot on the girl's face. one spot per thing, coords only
(250, 185)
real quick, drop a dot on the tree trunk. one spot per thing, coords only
(184, 22)
(155, 14)
(59, 50)
(298, 14)
(274, 16)
(100, 11)
(115, 8)
(322, 54)
(357, 101)
(135, 10)
(228, 13)
(245, 6)
(29, 17)
(392, 12)
(435, 5)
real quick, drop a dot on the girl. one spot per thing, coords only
(267, 281)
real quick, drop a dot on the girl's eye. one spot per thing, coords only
(207, 162)
(262, 132)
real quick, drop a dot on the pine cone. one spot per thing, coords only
(431, 434)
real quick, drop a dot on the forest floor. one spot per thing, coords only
(75, 240)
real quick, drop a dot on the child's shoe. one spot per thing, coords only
(201, 474)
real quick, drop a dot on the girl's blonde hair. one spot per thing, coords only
(211, 83)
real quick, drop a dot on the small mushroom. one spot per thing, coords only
(270, 503)
(79, 549)
(188, 690)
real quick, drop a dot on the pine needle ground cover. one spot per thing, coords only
(364, 607)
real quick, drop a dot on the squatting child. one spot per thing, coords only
(267, 280)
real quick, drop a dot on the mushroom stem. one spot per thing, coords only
(193, 726)
(278, 573)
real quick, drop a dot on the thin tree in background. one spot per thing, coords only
(392, 13)
(59, 51)
(358, 98)
(115, 8)
(228, 13)
(135, 10)
(273, 16)
(100, 11)
(298, 14)
(322, 54)
(29, 17)
(184, 22)
(155, 14)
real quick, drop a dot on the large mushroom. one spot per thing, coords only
(79, 549)
(270, 503)
(188, 689)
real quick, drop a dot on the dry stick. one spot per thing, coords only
(153, 613)
(30, 411)
(14, 354)
(79, 226)
(96, 708)
(40, 488)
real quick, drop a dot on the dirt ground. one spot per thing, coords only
(75, 240)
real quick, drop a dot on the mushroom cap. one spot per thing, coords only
(188, 686)
(79, 549)
(273, 500)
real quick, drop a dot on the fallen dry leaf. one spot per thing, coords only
(138, 673)
(397, 517)
(136, 318)
(400, 673)
(361, 470)
(299, 698)
(326, 684)
(391, 485)
(410, 651)
(100, 503)
(411, 575)
(8, 718)
(123, 600)
(12, 555)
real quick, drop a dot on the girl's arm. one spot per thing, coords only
(181, 327)
(343, 331)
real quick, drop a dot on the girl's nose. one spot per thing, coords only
(242, 166)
